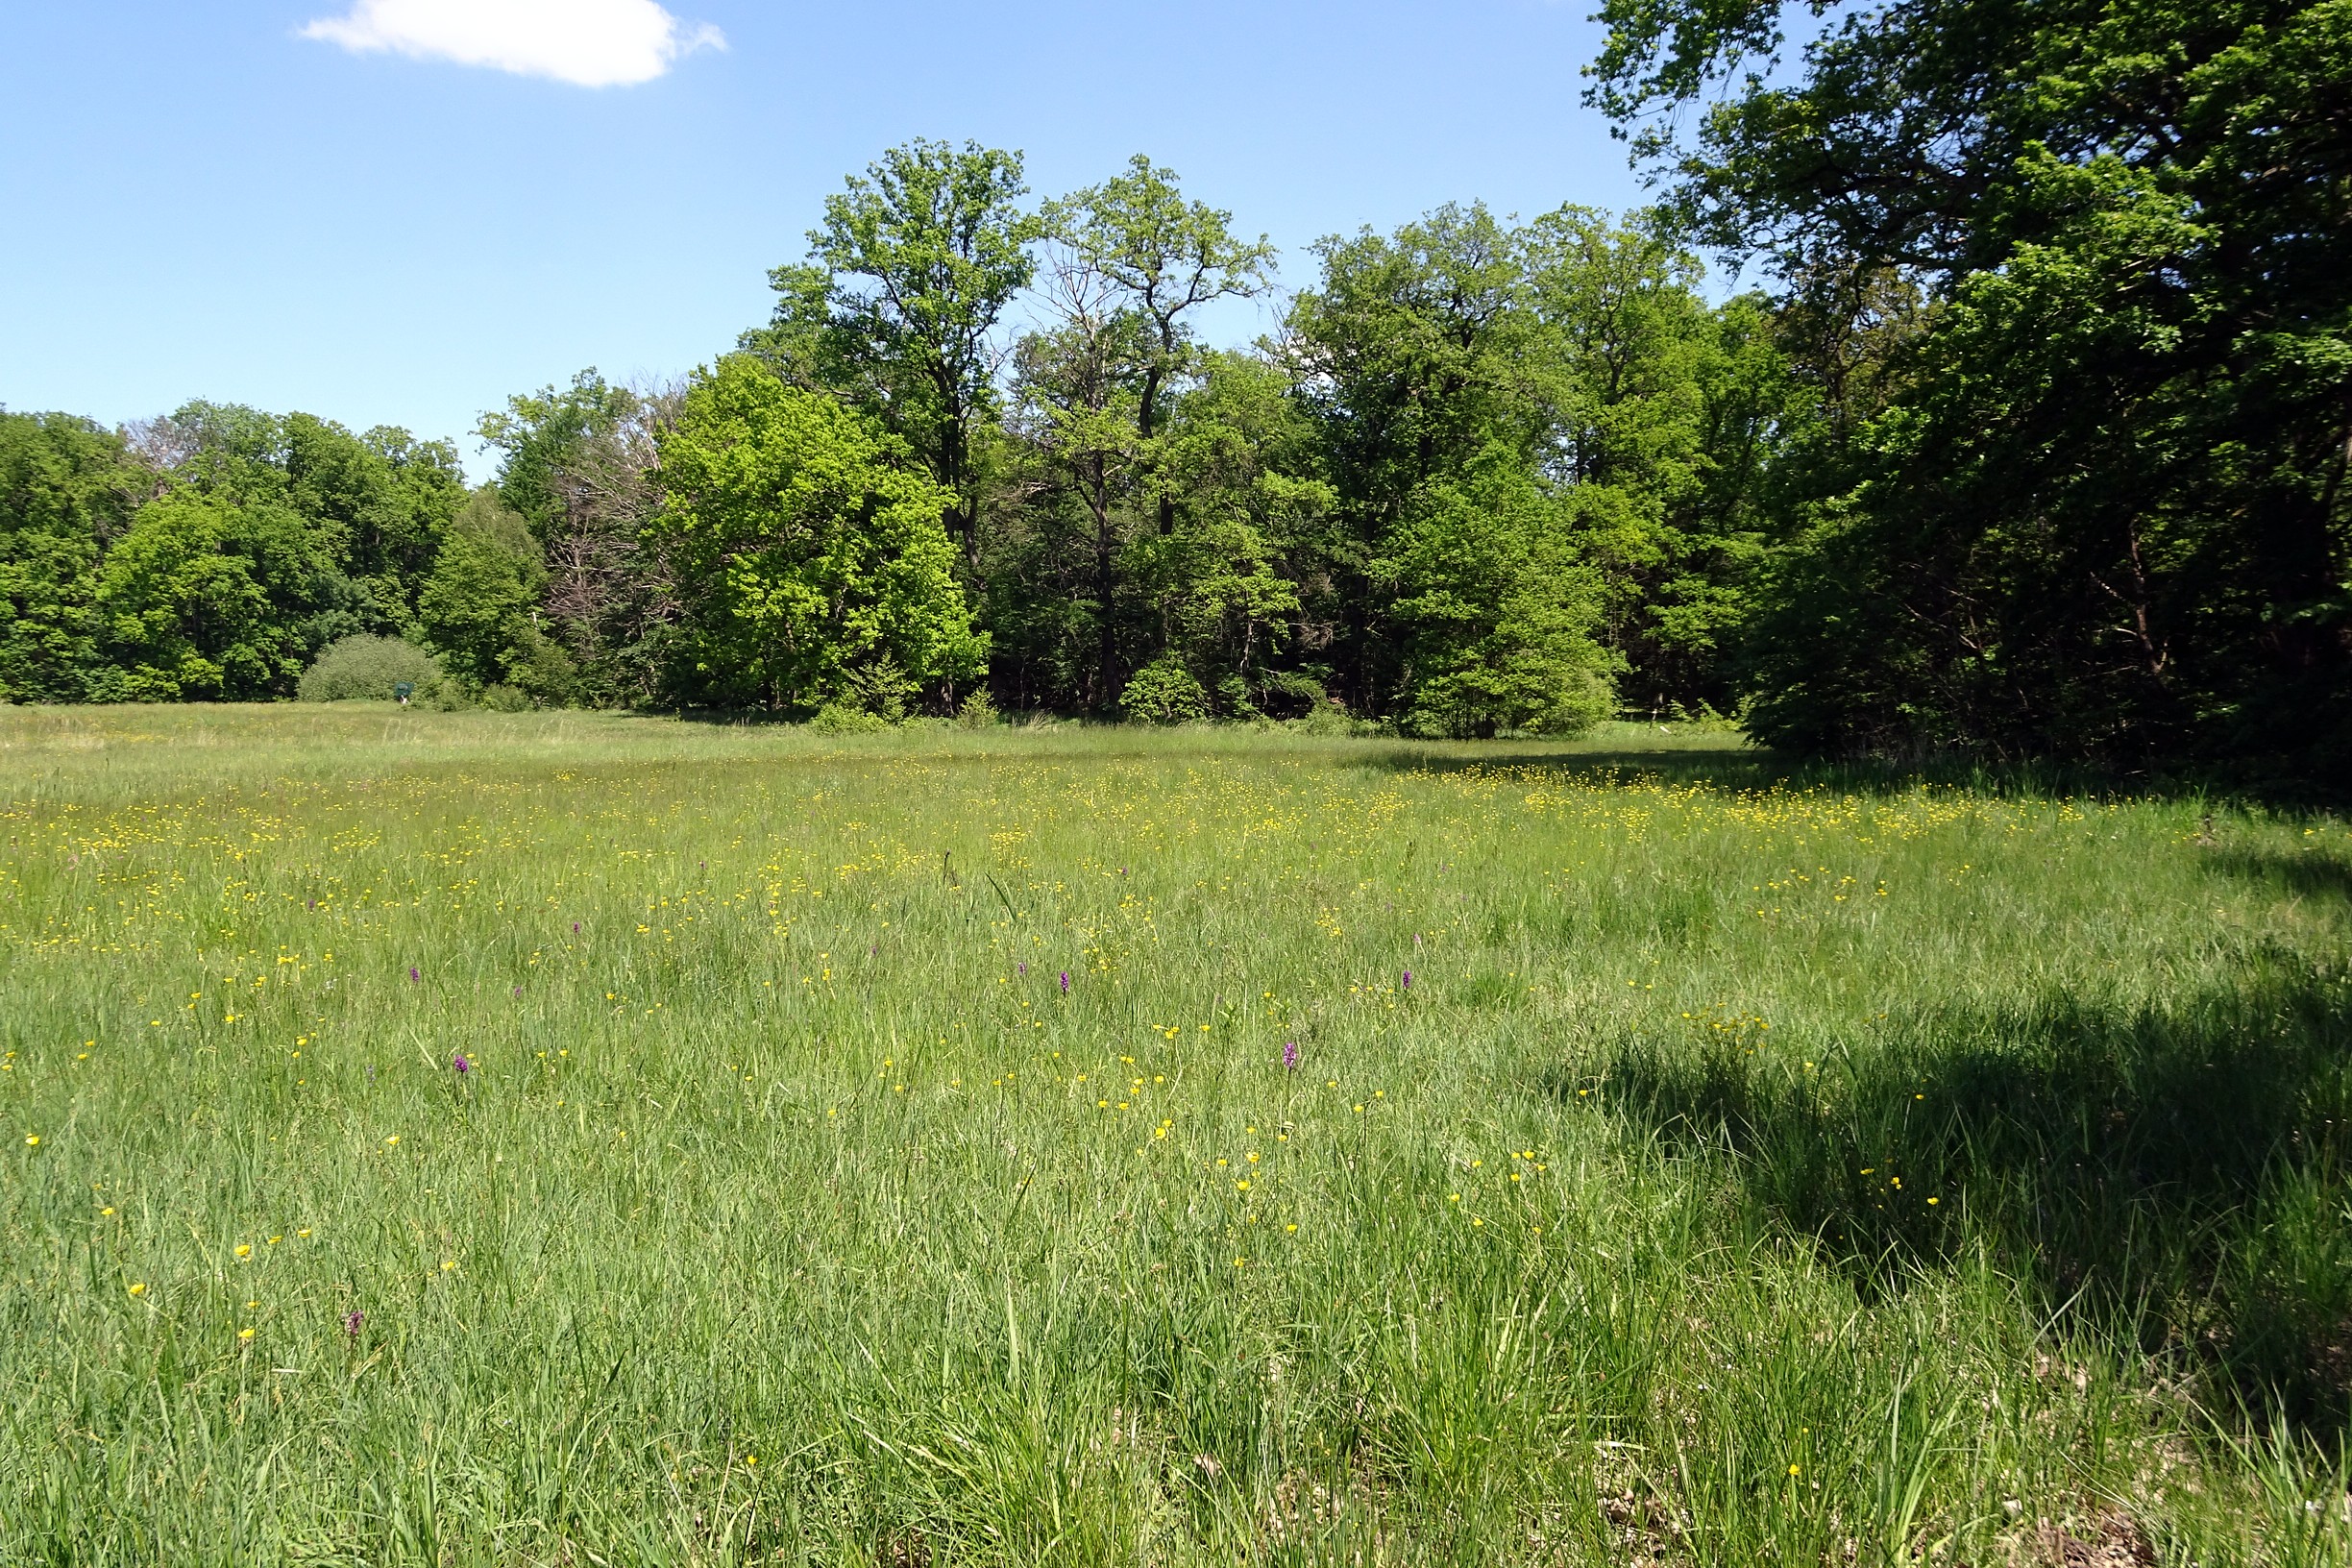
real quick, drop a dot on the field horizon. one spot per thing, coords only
(567, 1138)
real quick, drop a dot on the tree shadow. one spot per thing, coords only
(1731, 765)
(2318, 874)
(2174, 1177)
(1736, 764)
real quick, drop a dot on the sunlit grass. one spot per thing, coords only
(1681, 1161)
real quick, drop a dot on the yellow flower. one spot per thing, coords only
(303, 1232)
(108, 1210)
(245, 1334)
(32, 1140)
(244, 1249)
(1792, 1470)
(389, 1141)
(448, 1263)
(138, 1287)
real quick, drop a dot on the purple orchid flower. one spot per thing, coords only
(1065, 982)
(1290, 1055)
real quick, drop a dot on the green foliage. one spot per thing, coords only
(67, 488)
(185, 605)
(577, 464)
(811, 554)
(1577, 356)
(2093, 502)
(895, 308)
(845, 719)
(541, 436)
(977, 711)
(357, 519)
(1164, 692)
(365, 667)
(1496, 613)
(480, 606)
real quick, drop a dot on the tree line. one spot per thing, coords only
(2031, 440)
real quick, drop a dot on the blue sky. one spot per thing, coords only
(307, 203)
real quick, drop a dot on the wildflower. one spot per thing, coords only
(576, 928)
(1290, 1055)
(462, 1066)
(32, 1140)
(352, 1321)
(1065, 982)
(1024, 968)
(412, 973)
(245, 1334)
(389, 1141)
(1795, 1470)
(1408, 980)
(244, 1249)
(137, 1288)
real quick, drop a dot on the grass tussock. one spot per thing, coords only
(881, 1150)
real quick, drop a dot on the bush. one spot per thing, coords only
(366, 668)
(978, 711)
(503, 698)
(838, 719)
(1326, 718)
(1164, 692)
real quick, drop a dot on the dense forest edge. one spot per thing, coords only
(2027, 443)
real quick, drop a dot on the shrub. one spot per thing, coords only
(1164, 692)
(1325, 718)
(366, 669)
(504, 698)
(838, 719)
(978, 711)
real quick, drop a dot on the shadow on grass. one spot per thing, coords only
(1735, 764)
(2173, 1178)
(2317, 874)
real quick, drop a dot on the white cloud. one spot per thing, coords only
(590, 43)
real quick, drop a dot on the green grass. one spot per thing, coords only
(1754, 1170)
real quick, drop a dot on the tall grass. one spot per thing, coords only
(1750, 1171)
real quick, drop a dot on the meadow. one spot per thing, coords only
(562, 1138)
